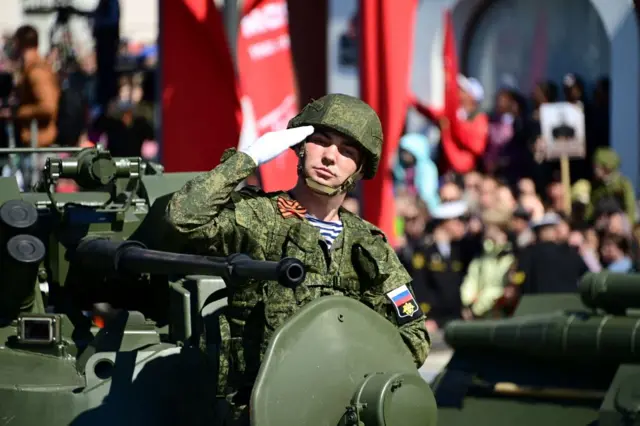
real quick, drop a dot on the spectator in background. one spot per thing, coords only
(619, 224)
(526, 187)
(520, 227)
(472, 185)
(507, 154)
(610, 184)
(412, 253)
(445, 269)
(563, 229)
(547, 266)
(533, 206)
(484, 283)
(463, 144)
(501, 131)
(574, 92)
(580, 200)
(504, 197)
(556, 197)
(405, 204)
(541, 170)
(578, 240)
(488, 191)
(37, 90)
(615, 251)
(414, 170)
(450, 191)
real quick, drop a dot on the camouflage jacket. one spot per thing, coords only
(618, 188)
(209, 217)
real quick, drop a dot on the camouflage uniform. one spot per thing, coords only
(616, 186)
(211, 217)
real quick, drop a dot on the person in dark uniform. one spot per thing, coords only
(441, 262)
(411, 254)
(546, 266)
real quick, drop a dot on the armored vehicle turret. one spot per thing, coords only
(569, 359)
(102, 324)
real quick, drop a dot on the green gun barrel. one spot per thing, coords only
(576, 335)
(611, 292)
(103, 254)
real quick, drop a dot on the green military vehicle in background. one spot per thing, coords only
(65, 256)
(567, 359)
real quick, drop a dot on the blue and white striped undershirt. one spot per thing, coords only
(328, 230)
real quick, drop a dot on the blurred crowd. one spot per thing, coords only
(60, 99)
(488, 218)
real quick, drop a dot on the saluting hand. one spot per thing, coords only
(272, 144)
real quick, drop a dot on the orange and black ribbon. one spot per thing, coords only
(289, 208)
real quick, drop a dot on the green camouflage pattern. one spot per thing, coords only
(209, 217)
(350, 116)
(617, 187)
(607, 158)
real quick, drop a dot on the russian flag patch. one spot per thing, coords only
(402, 299)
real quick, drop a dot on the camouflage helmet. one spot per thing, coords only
(351, 117)
(607, 158)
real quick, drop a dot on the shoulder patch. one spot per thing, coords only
(405, 304)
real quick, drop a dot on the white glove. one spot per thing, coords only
(272, 144)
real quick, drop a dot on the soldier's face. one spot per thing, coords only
(599, 172)
(330, 158)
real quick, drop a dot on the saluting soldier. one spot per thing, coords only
(338, 139)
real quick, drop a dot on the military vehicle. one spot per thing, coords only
(566, 359)
(151, 354)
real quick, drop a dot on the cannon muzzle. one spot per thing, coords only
(611, 292)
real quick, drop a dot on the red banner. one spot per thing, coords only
(267, 80)
(387, 44)
(450, 59)
(200, 103)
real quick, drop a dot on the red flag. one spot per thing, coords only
(450, 59)
(266, 74)
(385, 57)
(200, 103)
(462, 141)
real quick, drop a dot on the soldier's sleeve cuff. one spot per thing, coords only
(228, 153)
